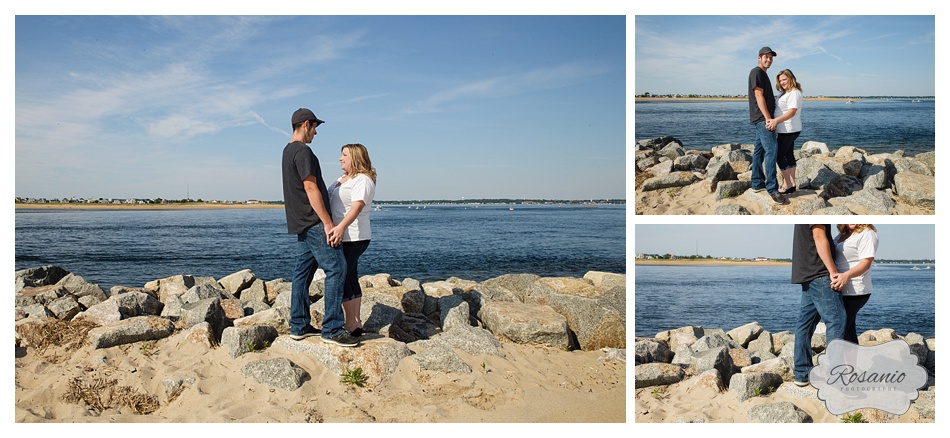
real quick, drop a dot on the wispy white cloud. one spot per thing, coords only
(506, 85)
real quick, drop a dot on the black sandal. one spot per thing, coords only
(787, 191)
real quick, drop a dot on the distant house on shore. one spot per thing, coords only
(761, 259)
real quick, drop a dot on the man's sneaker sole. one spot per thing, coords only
(344, 341)
(797, 383)
(303, 336)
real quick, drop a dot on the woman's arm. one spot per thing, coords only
(788, 114)
(858, 270)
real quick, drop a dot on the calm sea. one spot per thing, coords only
(131, 248)
(875, 125)
(669, 297)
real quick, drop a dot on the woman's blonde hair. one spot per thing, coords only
(792, 82)
(360, 160)
(844, 232)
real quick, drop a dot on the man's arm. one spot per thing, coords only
(316, 202)
(760, 101)
(824, 249)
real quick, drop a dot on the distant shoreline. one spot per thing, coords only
(188, 206)
(743, 99)
(710, 263)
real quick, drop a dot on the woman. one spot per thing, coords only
(351, 197)
(855, 248)
(788, 124)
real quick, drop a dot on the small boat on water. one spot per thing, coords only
(915, 101)
(915, 268)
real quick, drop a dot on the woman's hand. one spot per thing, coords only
(839, 281)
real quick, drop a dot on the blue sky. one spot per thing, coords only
(830, 55)
(449, 107)
(897, 241)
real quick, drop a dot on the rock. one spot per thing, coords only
(781, 412)
(272, 289)
(781, 366)
(277, 317)
(916, 189)
(438, 289)
(119, 307)
(674, 179)
(867, 200)
(606, 280)
(875, 177)
(174, 285)
(746, 333)
(378, 310)
(39, 276)
(877, 337)
(40, 295)
(648, 351)
(79, 287)
(716, 357)
(443, 360)
(277, 373)
(762, 343)
(710, 379)
(926, 404)
(244, 339)
(453, 312)
(740, 357)
(508, 287)
(127, 331)
(472, 340)
(655, 374)
(821, 147)
(713, 340)
(257, 291)
(928, 159)
(672, 150)
(746, 384)
(525, 323)
(233, 309)
(917, 344)
(732, 209)
(205, 291)
(200, 333)
(238, 281)
(731, 189)
(596, 322)
(207, 310)
(378, 281)
(378, 357)
(173, 385)
(690, 162)
(540, 291)
(118, 290)
(64, 308)
(911, 165)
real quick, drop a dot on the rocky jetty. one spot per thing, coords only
(673, 180)
(445, 326)
(696, 374)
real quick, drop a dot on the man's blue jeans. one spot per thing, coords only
(819, 301)
(766, 148)
(312, 252)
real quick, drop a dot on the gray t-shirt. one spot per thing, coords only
(298, 163)
(806, 263)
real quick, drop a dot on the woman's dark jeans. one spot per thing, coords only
(852, 303)
(351, 282)
(786, 150)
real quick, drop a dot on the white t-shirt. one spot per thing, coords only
(358, 188)
(784, 103)
(849, 253)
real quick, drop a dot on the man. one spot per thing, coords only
(813, 267)
(305, 203)
(761, 109)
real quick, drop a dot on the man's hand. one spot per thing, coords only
(770, 124)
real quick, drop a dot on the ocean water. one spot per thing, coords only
(131, 248)
(872, 124)
(669, 297)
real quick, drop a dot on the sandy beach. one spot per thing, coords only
(531, 384)
(734, 98)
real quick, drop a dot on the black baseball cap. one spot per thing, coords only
(302, 115)
(765, 50)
